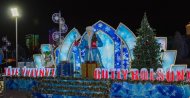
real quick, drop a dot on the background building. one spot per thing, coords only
(32, 42)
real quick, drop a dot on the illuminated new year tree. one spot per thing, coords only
(147, 50)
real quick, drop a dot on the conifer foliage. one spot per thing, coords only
(147, 52)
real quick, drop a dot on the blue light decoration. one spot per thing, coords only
(129, 41)
(163, 42)
(122, 40)
(38, 61)
(100, 25)
(179, 67)
(118, 90)
(127, 36)
(108, 45)
(65, 47)
(47, 48)
(169, 57)
(148, 90)
(105, 28)
(75, 56)
(56, 55)
(117, 52)
(19, 84)
(126, 59)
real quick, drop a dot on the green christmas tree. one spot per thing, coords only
(147, 50)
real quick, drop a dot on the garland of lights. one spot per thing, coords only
(106, 90)
(95, 82)
(45, 85)
(77, 82)
(74, 93)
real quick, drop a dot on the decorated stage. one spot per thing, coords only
(87, 88)
(103, 63)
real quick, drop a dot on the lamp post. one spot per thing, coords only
(15, 14)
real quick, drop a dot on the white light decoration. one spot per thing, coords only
(14, 12)
(4, 39)
(8, 43)
(4, 48)
(56, 36)
(55, 17)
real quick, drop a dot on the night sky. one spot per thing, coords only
(166, 17)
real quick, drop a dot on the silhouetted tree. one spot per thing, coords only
(181, 46)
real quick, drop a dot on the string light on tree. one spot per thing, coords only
(147, 50)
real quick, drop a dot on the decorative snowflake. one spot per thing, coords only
(94, 30)
(173, 93)
(107, 29)
(167, 94)
(117, 64)
(164, 91)
(116, 50)
(116, 43)
(118, 58)
(100, 25)
(122, 33)
(74, 49)
(55, 17)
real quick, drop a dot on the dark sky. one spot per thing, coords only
(166, 17)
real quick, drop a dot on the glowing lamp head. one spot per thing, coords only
(14, 12)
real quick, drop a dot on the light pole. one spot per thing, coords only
(15, 14)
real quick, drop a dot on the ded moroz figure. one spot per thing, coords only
(91, 43)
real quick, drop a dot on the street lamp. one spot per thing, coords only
(15, 14)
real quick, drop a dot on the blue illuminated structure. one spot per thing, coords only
(65, 47)
(169, 58)
(129, 40)
(127, 36)
(119, 42)
(100, 25)
(38, 61)
(108, 45)
(116, 52)
(148, 90)
(121, 57)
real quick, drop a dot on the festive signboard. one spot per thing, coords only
(30, 72)
(144, 74)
